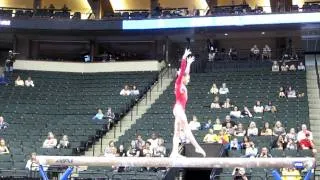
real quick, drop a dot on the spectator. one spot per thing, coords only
(64, 142)
(160, 151)
(153, 141)
(19, 81)
(194, 124)
(292, 67)
(301, 67)
(50, 142)
(239, 174)
(147, 150)
(236, 113)
(110, 150)
(291, 93)
(302, 134)
(229, 129)
(264, 153)
(125, 91)
(209, 137)
(284, 67)
(275, 67)
(134, 91)
(3, 124)
(110, 116)
(228, 120)
(246, 112)
(3, 148)
(215, 104)
(29, 82)
(121, 151)
(221, 138)
(292, 135)
(266, 52)
(279, 143)
(224, 89)
(133, 151)
(255, 52)
(212, 53)
(252, 129)
(307, 143)
(270, 108)
(217, 126)
(258, 108)
(33, 163)
(290, 174)
(234, 144)
(99, 115)
(245, 142)
(140, 143)
(227, 104)
(291, 145)
(278, 130)
(214, 89)
(240, 130)
(208, 125)
(251, 150)
(266, 130)
(282, 93)
(233, 54)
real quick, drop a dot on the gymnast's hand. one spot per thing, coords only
(187, 52)
(190, 59)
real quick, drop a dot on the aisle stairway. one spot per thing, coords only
(165, 79)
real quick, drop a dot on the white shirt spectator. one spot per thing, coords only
(19, 82)
(134, 91)
(291, 93)
(194, 124)
(252, 129)
(126, 91)
(301, 67)
(275, 66)
(223, 90)
(50, 142)
(235, 113)
(258, 109)
(29, 82)
(302, 134)
(292, 67)
(33, 164)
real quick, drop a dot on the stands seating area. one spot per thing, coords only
(63, 103)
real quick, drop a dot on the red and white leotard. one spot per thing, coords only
(180, 89)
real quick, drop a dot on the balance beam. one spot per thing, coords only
(181, 162)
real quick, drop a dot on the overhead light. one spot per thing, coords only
(226, 34)
(263, 33)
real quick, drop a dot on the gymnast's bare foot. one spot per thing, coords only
(201, 151)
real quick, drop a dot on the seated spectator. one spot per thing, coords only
(215, 104)
(134, 91)
(252, 129)
(33, 163)
(246, 112)
(110, 116)
(264, 153)
(153, 141)
(251, 150)
(266, 52)
(64, 142)
(266, 130)
(279, 143)
(275, 67)
(278, 130)
(208, 125)
(121, 152)
(234, 144)
(301, 67)
(282, 93)
(147, 150)
(29, 82)
(3, 124)
(160, 151)
(236, 113)
(239, 130)
(292, 67)
(228, 120)
(19, 81)
(217, 126)
(227, 104)
(258, 108)
(140, 143)
(255, 52)
(214, 89)
(221, 138)
(307, 143)
(133, 151)
(284, 67)
(292, 135)
(290, 174)
(291, 145)
(209, 137)
(50, 142)
(291, 93)
(270, 108)
(302, 134)
(245, 142)
(99, 115)
(125, 91)
(110, 150)
(224, 89)
(239, 174)
(3, 148)
(194, 124)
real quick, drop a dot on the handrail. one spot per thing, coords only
(317, 72)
